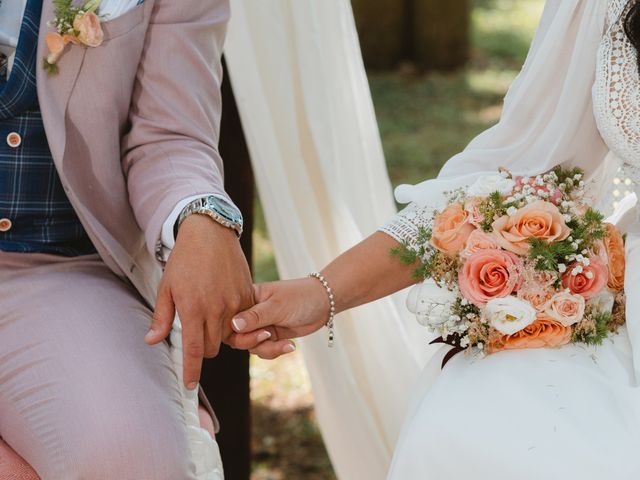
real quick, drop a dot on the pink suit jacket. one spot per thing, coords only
(133, 125)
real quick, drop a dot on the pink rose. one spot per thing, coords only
(587, 281)
(566, 308)
(451, 229)
(479, 240)
(475, 216)
(489, 274)
(89, 29)
(540, 219)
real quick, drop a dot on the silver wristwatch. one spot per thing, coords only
(217, 208)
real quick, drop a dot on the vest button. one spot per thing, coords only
(14, 140)
(5, 224)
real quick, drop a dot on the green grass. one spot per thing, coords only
(424, 120)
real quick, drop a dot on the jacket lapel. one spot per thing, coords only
(54, 90)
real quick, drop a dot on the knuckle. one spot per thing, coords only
(234, 302)
(255, 317)
(190, 309)
(217, 311)
(194, 350)
(158, 318)
(211, 352)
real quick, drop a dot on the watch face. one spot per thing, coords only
(225, 209)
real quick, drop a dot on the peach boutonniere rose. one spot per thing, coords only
(540, 219)
(76, 25)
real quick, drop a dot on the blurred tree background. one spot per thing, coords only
(438, 72)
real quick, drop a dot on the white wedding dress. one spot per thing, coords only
(571, 412)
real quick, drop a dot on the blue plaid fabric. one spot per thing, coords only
(31, 195)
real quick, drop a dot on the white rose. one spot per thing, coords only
(430, 303)
(488, 184)
(603, 302)
(509, 315)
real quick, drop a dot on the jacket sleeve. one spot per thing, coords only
(171, 149)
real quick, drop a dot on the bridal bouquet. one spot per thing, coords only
(519, 262)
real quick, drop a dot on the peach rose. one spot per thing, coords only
(479, 240)
(539, 219)
(475, 216)
(544, 332)
(451, 229)
(566, 308)
(56, 43)
(489, 274)
(614, 246)
(599, 250)
(587, 281)
(89, 29)
(537, 298)
(537, 287)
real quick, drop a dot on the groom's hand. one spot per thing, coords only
(207, 280)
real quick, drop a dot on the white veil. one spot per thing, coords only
(307, 114)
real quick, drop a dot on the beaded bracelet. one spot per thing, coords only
(332, 305)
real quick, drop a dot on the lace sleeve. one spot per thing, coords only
(405, 225)
(616, 92)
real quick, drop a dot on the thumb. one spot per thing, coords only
(163, 316)
(258, 316)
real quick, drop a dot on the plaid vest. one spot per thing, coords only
(35, 213)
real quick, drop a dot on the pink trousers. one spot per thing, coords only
(81, 395)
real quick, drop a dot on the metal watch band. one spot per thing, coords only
(213, 208)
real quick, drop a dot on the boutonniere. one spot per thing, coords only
(78, 25)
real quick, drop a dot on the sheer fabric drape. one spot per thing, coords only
(302, 92)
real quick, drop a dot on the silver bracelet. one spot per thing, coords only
(332, 305)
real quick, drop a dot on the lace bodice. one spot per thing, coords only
(616, 92)
(616, 108)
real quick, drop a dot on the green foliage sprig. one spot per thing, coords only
(410, 256)
(593, 329)
(588, 229)
(585, 231)
(431, 263)
(547, 256)
(492, 208)
(567, 177)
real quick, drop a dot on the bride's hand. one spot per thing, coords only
(287, 309)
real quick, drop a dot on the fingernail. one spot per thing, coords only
(238, 324)
(150, 334)
(289, 348)
(192, 385)
(262, 336)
